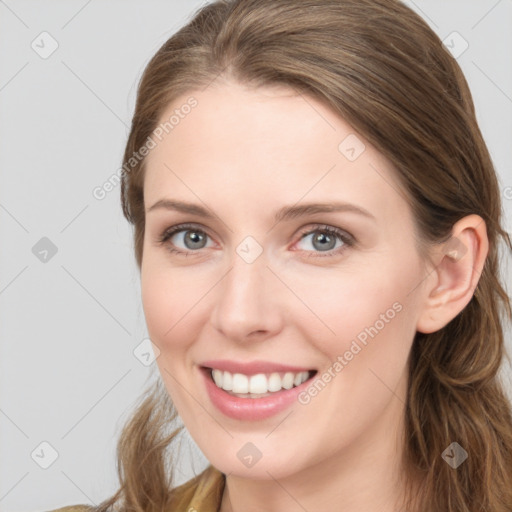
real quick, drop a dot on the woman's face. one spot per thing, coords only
(253, 276)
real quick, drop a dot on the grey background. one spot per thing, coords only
(69, 326)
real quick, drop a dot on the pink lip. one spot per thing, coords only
(250, 409)
(253, 367)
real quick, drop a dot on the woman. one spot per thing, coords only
(317, 223)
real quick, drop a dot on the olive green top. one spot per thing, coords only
(73, 508)
(202, 493)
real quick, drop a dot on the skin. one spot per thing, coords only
(244, 153)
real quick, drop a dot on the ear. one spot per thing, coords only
(458, 265)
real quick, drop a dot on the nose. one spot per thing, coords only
(249, 305)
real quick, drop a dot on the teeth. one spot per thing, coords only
(259, 384)
(227, 381)
(298, 379)
(240, 383)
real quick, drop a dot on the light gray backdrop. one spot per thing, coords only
(71, 316)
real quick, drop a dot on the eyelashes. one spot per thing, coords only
(331, 232)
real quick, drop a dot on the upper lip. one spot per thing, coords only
(252, 367)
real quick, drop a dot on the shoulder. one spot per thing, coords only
(73, 508)
(203, 492)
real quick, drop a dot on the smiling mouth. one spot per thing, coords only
(258, 385)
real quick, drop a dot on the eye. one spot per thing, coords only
(326, 239)
(188, 236)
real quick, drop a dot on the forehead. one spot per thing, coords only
(271, 143)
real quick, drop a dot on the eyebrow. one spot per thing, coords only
(283, 214)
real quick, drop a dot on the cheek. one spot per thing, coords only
(170, 319)
(172, 302)
(362, 304)
(162, 309)
(373, 319)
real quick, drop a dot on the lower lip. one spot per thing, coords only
(251, 409)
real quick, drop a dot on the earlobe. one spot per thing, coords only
(458, 265)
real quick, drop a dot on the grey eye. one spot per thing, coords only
(191, 239)
(321, 241)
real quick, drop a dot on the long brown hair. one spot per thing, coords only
(378, 65)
